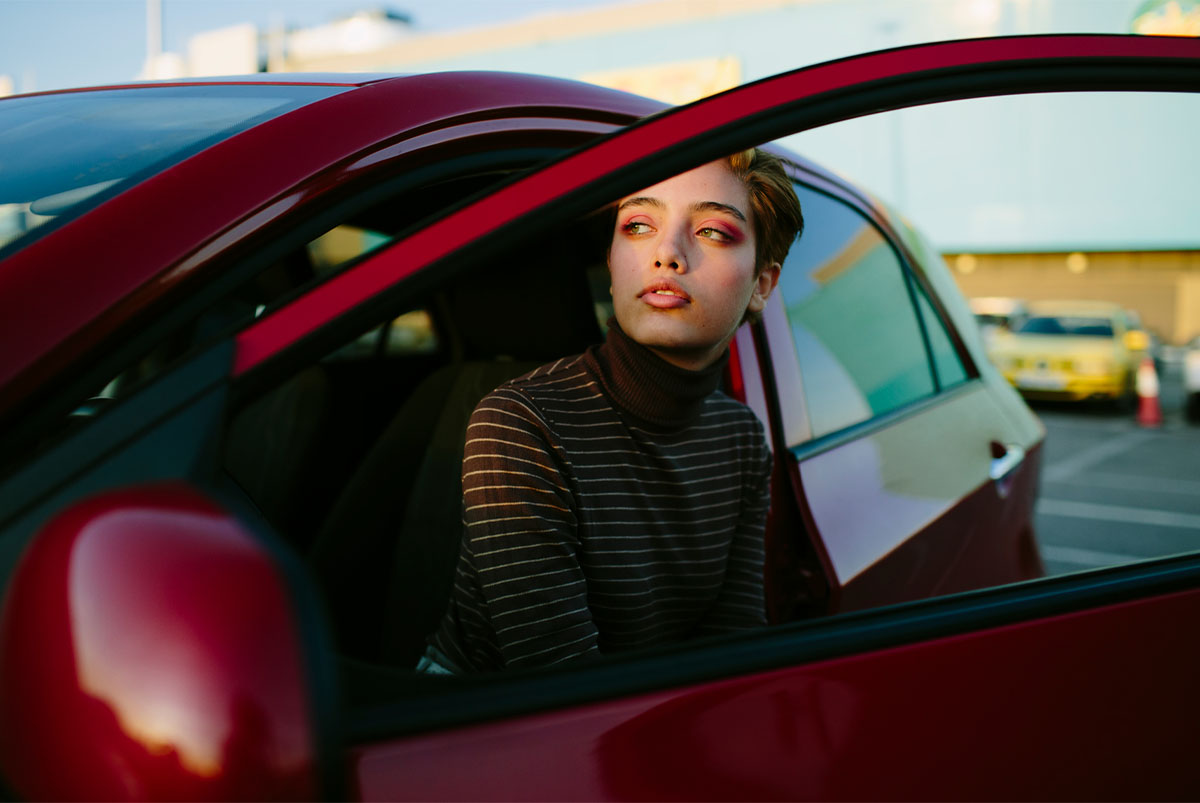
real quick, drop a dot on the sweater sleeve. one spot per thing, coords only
(520, 591)
(740, 603)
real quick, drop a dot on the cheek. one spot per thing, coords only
(737, 275)
(621, 262)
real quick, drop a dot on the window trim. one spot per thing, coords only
(230, 271)
(426, 703)
(913, 284)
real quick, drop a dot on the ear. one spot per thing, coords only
(764, 284)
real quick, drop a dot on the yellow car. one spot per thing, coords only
(1072, 351)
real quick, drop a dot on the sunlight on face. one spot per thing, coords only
(682, 263)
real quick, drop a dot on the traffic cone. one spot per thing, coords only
(1149, 412)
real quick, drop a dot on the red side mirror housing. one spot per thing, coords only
(150, 649)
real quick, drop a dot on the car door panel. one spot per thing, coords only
(1026, 711)
(910, 510)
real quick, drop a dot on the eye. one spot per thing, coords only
(635, 227)
(712, 233)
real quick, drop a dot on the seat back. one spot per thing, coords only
(427, 547)
(391, 539)
(270, 444)
(386, 554)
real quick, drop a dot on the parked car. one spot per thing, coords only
(996, 315)
(1154, 347)
(244, 322)
(1072, 351)
(1191, 379)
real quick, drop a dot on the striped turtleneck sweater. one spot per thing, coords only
(611, 501)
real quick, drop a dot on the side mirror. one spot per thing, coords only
(151, 648)
(1137, 340)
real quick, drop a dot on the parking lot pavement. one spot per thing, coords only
(1114, 492)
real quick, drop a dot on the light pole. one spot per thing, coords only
(154, 36)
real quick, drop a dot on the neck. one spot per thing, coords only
(650, 386)
(692, 359)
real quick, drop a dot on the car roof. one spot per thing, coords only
(147, 240)
(996, 305)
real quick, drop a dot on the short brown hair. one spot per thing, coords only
(777, 217)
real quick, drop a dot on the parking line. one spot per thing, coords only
(1134, 482)
(1135, 515)
(1086, 557)
(1088, 457)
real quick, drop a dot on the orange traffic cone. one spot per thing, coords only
(1149, 412)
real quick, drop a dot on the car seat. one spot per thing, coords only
(385, 556)
(270, 445)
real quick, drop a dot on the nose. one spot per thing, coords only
(670, 254)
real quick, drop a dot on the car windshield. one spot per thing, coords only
(1066, 325)
(987, 319)
(62, 154)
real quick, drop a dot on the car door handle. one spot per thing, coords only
(1005, 460)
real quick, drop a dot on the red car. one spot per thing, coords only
(244, 323)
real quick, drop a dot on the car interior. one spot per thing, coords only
(354, 457)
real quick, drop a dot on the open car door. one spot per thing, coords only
(1079, 686)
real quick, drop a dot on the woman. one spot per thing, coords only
(617, 499)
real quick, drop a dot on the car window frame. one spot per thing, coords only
(42, 427)
(762, 111)
(915, 282)
(664, 145)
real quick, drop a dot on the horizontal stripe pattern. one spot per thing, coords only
(586, 532)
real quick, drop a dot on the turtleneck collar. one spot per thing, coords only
(648, 387)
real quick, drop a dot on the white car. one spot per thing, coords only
(995, 313)
(1191, 379)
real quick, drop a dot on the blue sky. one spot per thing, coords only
(50, 44)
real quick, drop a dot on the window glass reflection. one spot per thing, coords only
(839, 277)
(950, 370)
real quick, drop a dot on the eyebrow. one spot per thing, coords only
(699, 206)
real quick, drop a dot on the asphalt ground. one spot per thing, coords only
(1114, 491)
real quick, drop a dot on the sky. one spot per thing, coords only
(52, 44)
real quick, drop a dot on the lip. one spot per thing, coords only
(651, 295)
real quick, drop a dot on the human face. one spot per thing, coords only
(682, 263)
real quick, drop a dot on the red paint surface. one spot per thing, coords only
(980, 542)
(1077, 707)
(149, 652)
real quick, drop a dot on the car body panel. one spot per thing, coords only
(867, 502)
(981, 715)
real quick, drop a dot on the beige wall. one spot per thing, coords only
(1187, 305)
(1163, 286)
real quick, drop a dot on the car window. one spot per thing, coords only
(946, 362)
(80, 148)
(410, 333)
(304, 253)
(343, 243)
(356, 457)
(842, 274)
(1066, 325)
